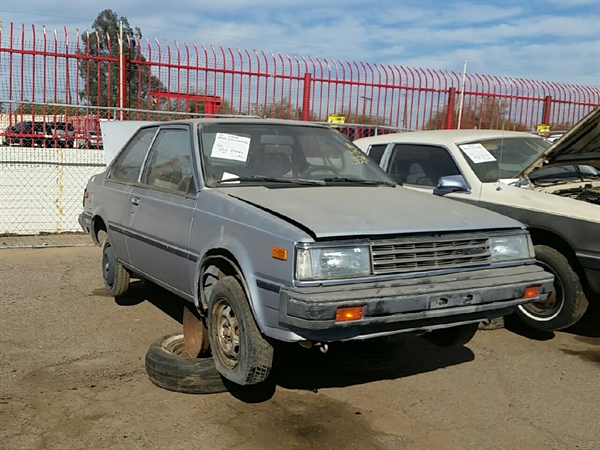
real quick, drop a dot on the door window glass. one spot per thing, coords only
(129, 162)
(421, 164)
(376, 152)
(170, 164)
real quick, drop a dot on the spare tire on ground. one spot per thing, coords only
(168, 366)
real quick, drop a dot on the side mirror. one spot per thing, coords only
(451, 183)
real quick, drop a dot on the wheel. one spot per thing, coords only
(195, 334)
(116, 278)
(170, 367)
(566, 303)
(241, 353)
(452, 337)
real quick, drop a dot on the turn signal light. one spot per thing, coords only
(348, 313)
(279, 253)
(531, 292)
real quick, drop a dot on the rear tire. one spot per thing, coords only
(567, 302)
(116, 278)
(241, 353)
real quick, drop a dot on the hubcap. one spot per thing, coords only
(227, 333)
(550, 307)
(108, 265)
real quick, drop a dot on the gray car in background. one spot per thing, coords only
(282, 230)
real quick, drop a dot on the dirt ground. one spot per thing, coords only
(72, 377)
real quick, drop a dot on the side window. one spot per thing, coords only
(421, 164)
(129, 162)
(376, 152)
(170, 164)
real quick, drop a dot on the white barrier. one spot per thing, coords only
(41, 189)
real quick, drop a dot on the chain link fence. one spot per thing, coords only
(48, 152)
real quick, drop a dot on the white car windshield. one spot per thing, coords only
(263, 153)
(502, 158)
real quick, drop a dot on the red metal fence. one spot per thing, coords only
(85, 78)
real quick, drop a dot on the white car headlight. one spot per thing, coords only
(332, 262)
(511, 248)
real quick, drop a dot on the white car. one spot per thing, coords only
(554, 188)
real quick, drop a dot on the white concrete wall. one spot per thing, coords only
(41, 189)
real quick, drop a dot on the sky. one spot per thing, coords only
(538, 39)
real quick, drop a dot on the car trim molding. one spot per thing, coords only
(153, 242)
(268, 286)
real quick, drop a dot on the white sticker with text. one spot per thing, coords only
(230, 146)
(477, 152)
(229, 176)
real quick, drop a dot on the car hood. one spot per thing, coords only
(579, 145)
(335, 211)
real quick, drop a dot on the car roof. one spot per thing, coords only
(444, 137)
(237, 120)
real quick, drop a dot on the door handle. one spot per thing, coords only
(135, 201)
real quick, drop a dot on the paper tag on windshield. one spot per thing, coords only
(229, 176)
(230, 146)
(477, 152)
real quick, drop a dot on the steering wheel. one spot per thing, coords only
(314, 169)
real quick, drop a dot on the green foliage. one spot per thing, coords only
(484, 114)
(40, 109)
(101, 78)
(282, 109)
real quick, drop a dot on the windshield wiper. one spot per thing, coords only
(270, 180)
(358, 181)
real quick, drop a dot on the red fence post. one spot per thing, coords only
(546, 111)
(450, 115)
(306, 97)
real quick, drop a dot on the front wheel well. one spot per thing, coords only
(544, 237)
(217, 264)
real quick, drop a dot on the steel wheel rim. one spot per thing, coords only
(226, 331)
(553, 305)
(108, 266)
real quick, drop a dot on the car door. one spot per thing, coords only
(421, 166)
(122, 175)
(163, 205)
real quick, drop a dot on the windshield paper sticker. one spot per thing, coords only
(230, 176)
(230, 146)
(477, 152)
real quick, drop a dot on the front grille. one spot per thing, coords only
(429, 253)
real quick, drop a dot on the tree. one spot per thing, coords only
(282, 109)
(484, 114)
(100, 72)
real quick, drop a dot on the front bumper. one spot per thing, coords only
(420, 303)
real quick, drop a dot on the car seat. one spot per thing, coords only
(274, 165)
(416, 175)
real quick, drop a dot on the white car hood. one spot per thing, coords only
(580, 145)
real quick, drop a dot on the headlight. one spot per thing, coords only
(511, 248)
(333, 262)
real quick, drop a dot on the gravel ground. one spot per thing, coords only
(72, 377)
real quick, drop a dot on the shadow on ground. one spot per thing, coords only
(587, 326)
(345, 364)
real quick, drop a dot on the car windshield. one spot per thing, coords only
(503, 158)
(288, 155)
